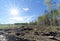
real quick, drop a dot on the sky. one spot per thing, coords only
(20, 11)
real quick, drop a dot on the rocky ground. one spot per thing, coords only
(25, 34)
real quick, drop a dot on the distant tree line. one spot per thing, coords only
(20, 23)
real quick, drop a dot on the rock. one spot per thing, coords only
(3, 38)
(50, 36)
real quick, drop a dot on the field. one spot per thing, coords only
(4, 26)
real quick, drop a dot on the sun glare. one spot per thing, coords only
(14, 11)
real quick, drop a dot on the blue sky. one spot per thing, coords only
(14, 11)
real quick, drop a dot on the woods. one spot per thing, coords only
(51, 17)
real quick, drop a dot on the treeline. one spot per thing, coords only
(51, 16)
(21, 23)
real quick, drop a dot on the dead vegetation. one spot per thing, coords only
(30, 34)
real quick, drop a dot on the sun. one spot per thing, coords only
(14, 11)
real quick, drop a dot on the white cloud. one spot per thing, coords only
(25, 9)
(18, 19)
(21, 19)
